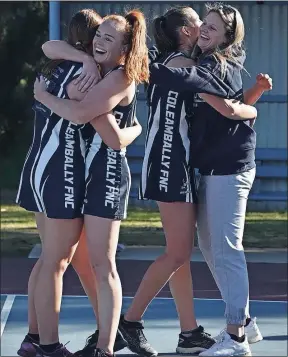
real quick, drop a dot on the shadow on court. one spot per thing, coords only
(276, 338)
(77, 322)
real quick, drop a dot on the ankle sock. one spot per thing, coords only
(248, 320)
(190, 332)
(236, 338)
(34, 336)
(106, 353)
(50, 348)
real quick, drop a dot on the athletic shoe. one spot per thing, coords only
(101, 353)
(137, 342)
(228, 348)
(28, 347)
(61, 351)
(197, 341)
(92, 340)
(251, 331)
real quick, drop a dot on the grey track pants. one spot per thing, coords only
(220, 224)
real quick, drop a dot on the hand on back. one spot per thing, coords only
(89, 77)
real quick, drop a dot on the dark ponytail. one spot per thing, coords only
(81, 31)
(166, 28)
(163, 42)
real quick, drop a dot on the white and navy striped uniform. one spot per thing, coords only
(166, 173)
(108, 179)
(53, 176)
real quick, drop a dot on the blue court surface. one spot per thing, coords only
(161, 323)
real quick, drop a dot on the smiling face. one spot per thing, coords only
(212, 32)
(108, 43)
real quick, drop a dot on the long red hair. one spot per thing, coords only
(136, 58)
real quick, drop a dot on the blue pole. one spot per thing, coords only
(54, 20)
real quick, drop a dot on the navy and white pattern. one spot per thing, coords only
(153, 54)
(53, 177)
(166, 173)
(108, 178)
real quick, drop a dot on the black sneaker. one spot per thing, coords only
(197, 341)
(60, 352)
(101, 353)
(28, 347)
(92, 340)
(137, 342)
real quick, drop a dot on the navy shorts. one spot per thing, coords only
(53, 176)
(108, 182)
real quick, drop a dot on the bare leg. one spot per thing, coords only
(182, 291)
(178, 223)
(32, 318)
(60, 241)
(102, 238)
(81, 264)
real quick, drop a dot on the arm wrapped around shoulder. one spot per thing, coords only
(203, 78)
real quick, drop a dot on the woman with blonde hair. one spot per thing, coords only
(168, 176)
(225, 156)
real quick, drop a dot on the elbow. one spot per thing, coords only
(120, 143)
(116, 144)
(46, 50)
(238, 114)
(230, 112)
(81, 116)
(76, 118)
(255, 113)
(233, 114)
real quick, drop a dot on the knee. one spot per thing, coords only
(54, 264)
(176, 259)
(104, 269)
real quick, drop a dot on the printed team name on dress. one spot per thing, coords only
(111, 190)
(68, 166)
(167, 140)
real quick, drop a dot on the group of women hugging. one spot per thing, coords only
(76, 176)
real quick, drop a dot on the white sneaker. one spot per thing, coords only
(251, 331)
(227, 347)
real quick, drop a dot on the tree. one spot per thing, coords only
(24, 27)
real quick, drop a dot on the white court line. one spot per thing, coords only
(158, 298)
(6, 311)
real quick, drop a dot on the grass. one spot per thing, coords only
(143, 227)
